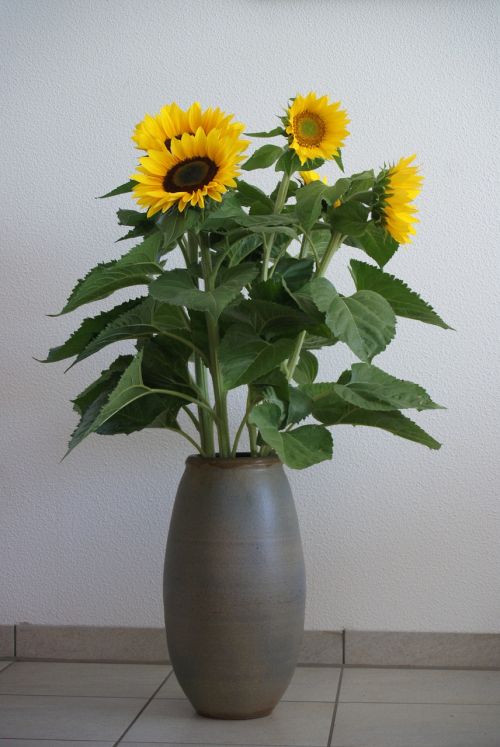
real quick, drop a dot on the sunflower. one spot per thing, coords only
(401, 185)
(196, 166)
(153, 133)
(317, 128)
(312, 176)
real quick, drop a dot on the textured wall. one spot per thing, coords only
(395, 536)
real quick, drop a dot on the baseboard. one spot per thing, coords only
(322, 648)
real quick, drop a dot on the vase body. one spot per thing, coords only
(234, 586)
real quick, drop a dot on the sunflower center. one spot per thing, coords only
(308, 128)
(190, 175)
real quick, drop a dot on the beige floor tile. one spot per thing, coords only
(54, 718)
(304, 724)
(313, 684)
(98, 680)
(309, 684)
(416, 725)
(420, 686)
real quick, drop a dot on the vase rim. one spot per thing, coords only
(242, 459)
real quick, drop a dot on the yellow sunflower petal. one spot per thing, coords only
(403, 185)
(198, 166)
(317, 128)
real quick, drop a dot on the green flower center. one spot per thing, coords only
(190, 175)
(309, 129)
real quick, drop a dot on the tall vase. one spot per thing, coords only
(234, 586)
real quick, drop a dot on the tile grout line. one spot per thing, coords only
(335, 708)
(15, 641)
(141, 711)
(5, 668)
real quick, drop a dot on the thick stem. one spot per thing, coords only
(215, 370)
(332, 247)
(303, 247)
(206, 425)
(252, 435)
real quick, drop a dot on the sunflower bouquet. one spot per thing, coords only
(250, 304)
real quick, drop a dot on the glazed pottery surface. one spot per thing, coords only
(234, 585)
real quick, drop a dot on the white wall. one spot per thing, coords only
(396, 537)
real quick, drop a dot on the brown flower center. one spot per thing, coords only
(308, 129)
(190, 175)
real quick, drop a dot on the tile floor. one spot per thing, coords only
(103, 705)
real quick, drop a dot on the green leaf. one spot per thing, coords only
(330, 409)
(153, 411)
(371, 388)
(221, 216)
(338, 159)
(306, 369)
(174, 224)
(360, 186)
(298, 406)
(311, 164)
(376, 242)
(350, 218)
(298, 448)
(288, 161)
(295, 272)
(337, 190)
(129, 390)
(262, 157)
(176, 287)
(87, 331)
(404, 301)
(121, 190)
(245, 357)
(165, 365)
(136, 267)
(309, 201)
(364, 321)
(103, 385)
(141, 224)
(240, 249)
(270, 320)
(269, 223)
(271, 133)
(393, 422)
(130, 217)
(147, 318)
(253, 196)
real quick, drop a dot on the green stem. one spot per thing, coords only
(321, 269)
(244, 422)
(332, 247)
(294, 358)
(303, 247)
(252, 435)
(206, 426)
(215, 370)
(192, 417)
(279, 204)
(187, 437)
